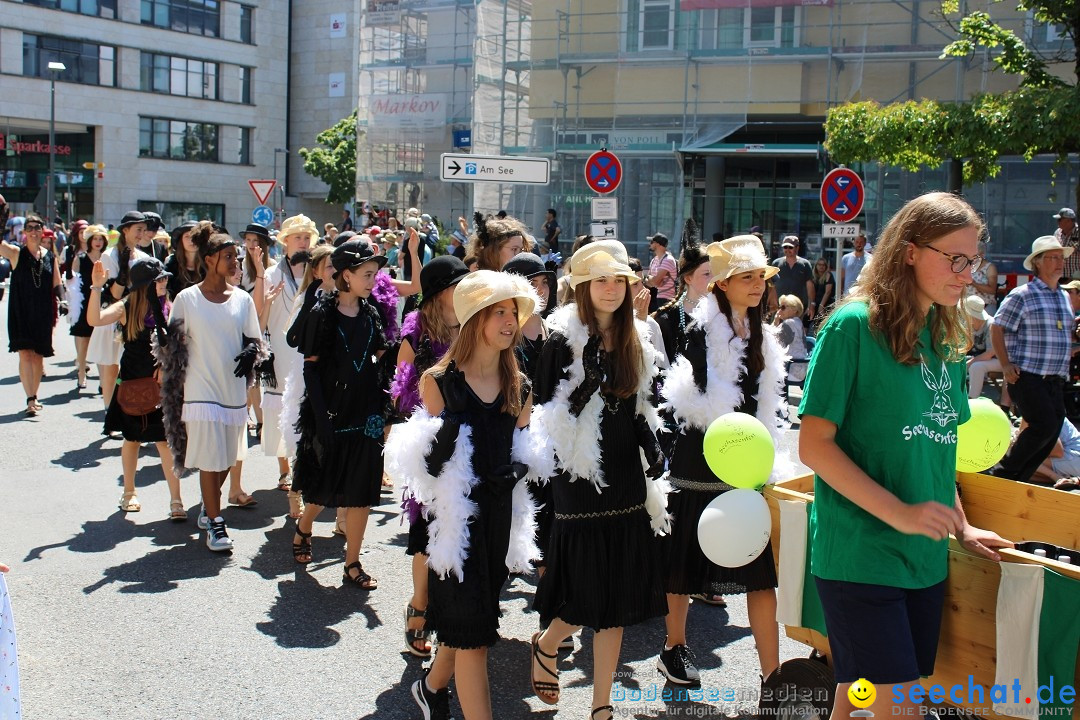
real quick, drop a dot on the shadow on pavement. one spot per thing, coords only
(105, 535)
(89, 456)
(162, 570)
(304, 612)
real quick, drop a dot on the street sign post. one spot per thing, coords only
(508, 169)
(262, 215)
(603, 172)
(262, 189)
(842, 195)
(605, 209)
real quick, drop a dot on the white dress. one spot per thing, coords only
(105, 343)
(215, 400)
(286, 358)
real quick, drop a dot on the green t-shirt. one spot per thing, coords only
(896, 422)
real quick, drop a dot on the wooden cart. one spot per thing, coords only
(1017, 511)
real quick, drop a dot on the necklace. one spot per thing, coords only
(358, 366)
(36, 268)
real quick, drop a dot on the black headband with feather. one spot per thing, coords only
(693, 255)
(482, 229)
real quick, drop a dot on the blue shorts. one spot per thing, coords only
(887, 635)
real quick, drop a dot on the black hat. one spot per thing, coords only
(354, 253)
(132, 217)
(343, 238)
(145, 271)
(659, 239)
(439, 274)
(153, 221)
(528, 265)
(257, 229)
(179, 230)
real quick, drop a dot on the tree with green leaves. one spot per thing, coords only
(334, 161)
(1041, 116)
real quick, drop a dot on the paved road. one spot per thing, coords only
(129, 616)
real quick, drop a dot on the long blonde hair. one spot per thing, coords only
(318, 254)
(887, 284)
(464, 347)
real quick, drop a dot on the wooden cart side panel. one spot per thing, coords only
(1020, 511)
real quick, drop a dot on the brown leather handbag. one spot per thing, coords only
(140, 396)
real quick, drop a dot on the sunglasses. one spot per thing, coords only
(31, 227)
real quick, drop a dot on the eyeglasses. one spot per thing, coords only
(960, 263)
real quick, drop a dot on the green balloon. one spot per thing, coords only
(739, 450)
(984, 439)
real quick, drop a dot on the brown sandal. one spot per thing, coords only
(361, 580)
(416, 640)
(542, 688)
(283, 482)
(296, 505)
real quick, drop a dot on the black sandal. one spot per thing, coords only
(361, 580)
(302, 549)
(609, 708)
(412, 637)
(539, 687)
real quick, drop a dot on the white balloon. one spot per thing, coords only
(734, 528)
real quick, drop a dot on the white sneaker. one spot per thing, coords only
(203, 522)
(217, 538)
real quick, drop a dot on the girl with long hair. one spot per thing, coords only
(339, 460)
(534, 331)
(140, 313)
(891, 357)
(207, 364)
(105, 343)
(824, 286)
(731, 362)
(593, 386)
(496, 241)
(35, 288)
(184, 263)
(426, 334)
(480, 512)
(694, 277)
(92, 244)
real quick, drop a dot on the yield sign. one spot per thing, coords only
(842, 195)
(262, 189)
(603, 172)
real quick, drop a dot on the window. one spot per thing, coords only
(247, 24)
(97, 8)
(245, 85)
(244, 154)
(178, 139)
(175, 213)
(179, 76)
(657, 24)
(87, 63)
(739, 28)
(201, 17)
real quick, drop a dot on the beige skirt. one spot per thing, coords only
(214, 446)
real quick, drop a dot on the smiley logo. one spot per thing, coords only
(862, 693)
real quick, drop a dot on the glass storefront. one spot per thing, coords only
(24, 167)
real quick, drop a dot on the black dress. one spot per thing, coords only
(688, 571)
(84, 266)
(136, 362)
(603, 559)
(672, 320)
(466, 614)
(176, 283)
(30, 309)
(350, 473)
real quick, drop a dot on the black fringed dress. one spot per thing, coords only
(30, 307)
(350, 472)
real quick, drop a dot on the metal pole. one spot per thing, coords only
(50, 202)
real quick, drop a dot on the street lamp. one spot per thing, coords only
(280, 187)
(55, 68)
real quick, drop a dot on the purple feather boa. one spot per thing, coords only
(412, 509)
(405, 388)
(385, 296)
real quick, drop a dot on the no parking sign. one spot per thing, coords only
(603, 172)
(842, 195)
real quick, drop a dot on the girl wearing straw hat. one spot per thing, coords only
(731, 362)
(603, 561)
(339, 459)
(482, 517)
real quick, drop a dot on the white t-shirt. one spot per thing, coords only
(111, 260)
(215, 334)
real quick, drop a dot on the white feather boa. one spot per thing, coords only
(446, 498)
(290, 408)
(724, 352)
(74, 298)
(576, 440)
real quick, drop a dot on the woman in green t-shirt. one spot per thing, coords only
(884, 396)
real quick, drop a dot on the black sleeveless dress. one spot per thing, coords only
(688, 571)
(350, 472)
(84, 267)
(136, 362)
(603, 560)
(466, 614)
(31, 314)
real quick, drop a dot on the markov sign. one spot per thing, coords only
(408, 112)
